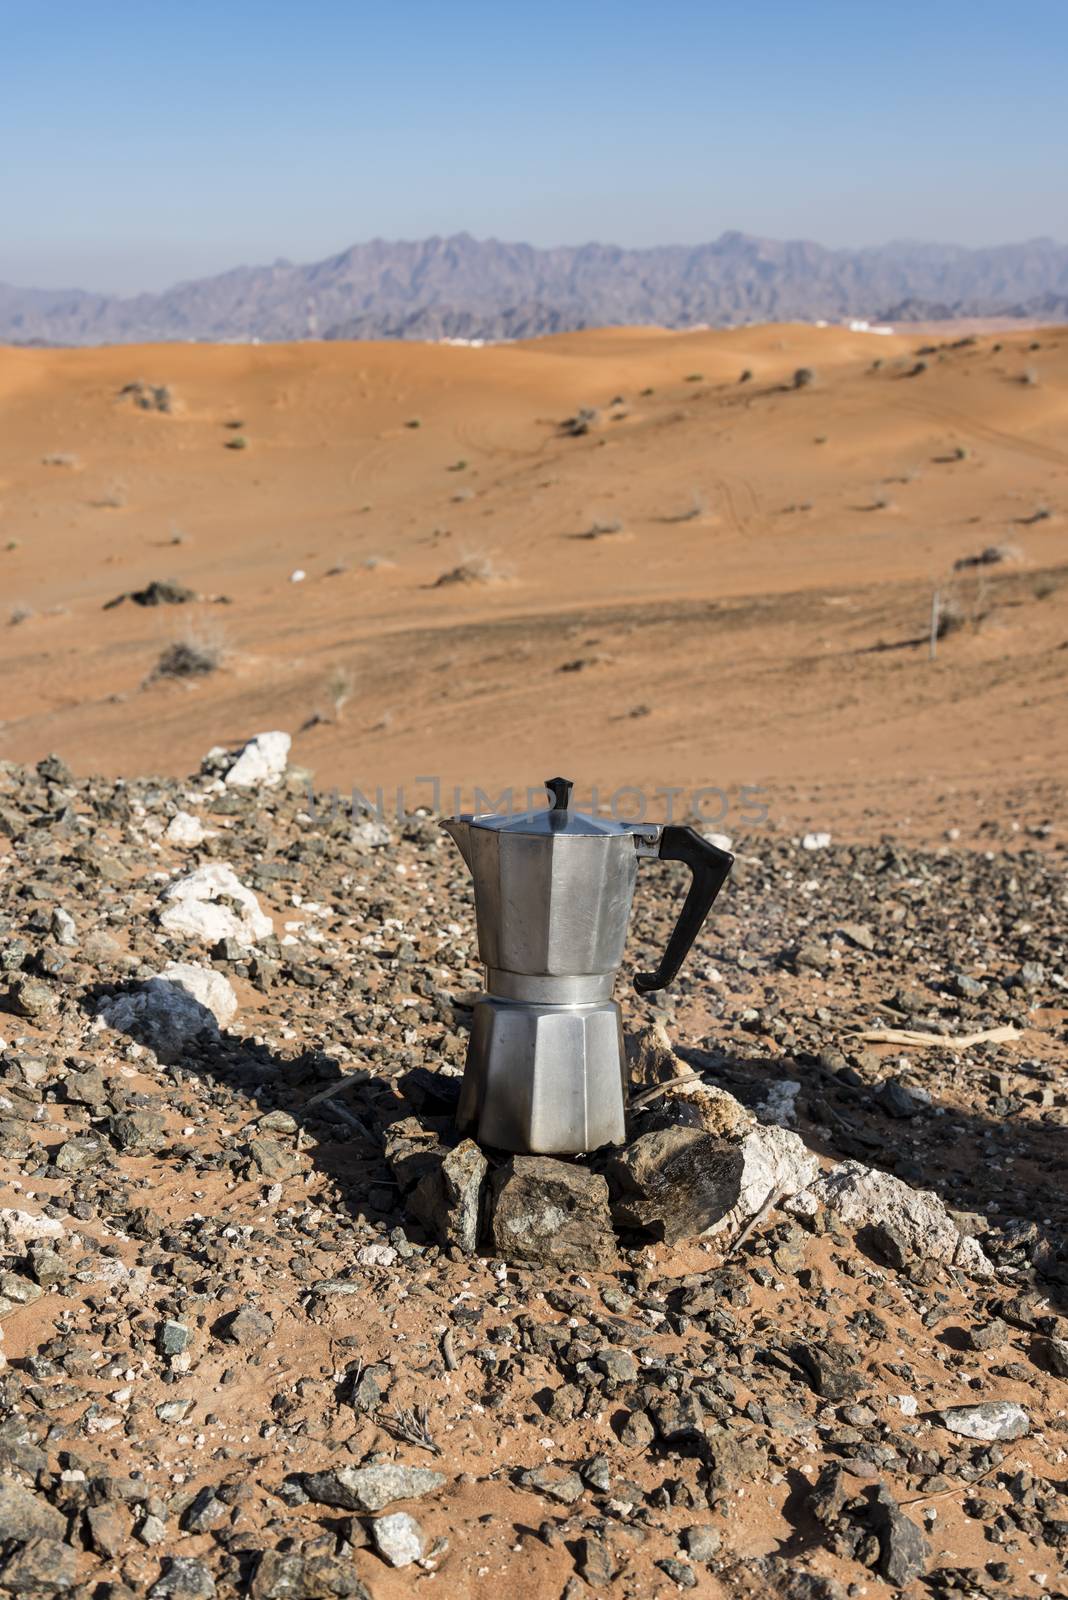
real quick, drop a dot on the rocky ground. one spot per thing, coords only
(237, 1363)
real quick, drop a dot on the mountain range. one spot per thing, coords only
(461, 287)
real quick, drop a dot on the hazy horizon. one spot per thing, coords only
(282, 260)
(181, 144)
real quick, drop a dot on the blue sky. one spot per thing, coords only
(146, 142)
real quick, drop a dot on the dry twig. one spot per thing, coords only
(411, 1424)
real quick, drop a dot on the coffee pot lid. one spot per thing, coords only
(559, 818)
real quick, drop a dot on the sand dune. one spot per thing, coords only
(719, 583)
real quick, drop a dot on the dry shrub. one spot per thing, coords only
(475, 567)
(197, 653)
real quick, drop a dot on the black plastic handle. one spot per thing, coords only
(710, 867)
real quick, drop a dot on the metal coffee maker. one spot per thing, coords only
(545, 1069)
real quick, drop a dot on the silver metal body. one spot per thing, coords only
(545, 1069)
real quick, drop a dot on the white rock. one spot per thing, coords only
(207, 986)
(804, 1204)
(212, 904)
(64, 929)
(376, 1255)
(261, 763)
(908, 1405)
(995, 1419)
(161, 1014)
(720, 840)
(398, 1538)
(862, 1196)
(370, 831)
(815, 841)
(298, 575)
(117, 1275)
(16, 1226)
(780, 1105)
(773, 1160)
(173, 1008)
(185, 829)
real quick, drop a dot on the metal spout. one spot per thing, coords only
(460, 828)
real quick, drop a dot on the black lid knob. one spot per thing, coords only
(560, 789)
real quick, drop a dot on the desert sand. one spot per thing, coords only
(213, 1305)
(722, 582)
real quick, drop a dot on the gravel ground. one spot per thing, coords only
(237, 1366)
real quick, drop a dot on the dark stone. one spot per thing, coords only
(557, 1483)
(42, 1566)
(674, 1183)
(897, 1100)
(991, 1336)
(702, 1542)
(138, 1131)
(184, 1578)
(447, 1200)
(680, 1572)
(108, 1527)
(26, 1515)
(637, 1432)
(830, 1369)
(551, 1213)
(593, 1561)
(248, 1326)
(204, 1512)
(828, 1494)
(888, 1243)
(31, 998)
(903, 1550)
(677, 1417)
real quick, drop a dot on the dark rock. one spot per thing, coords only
(903, 1550)
(828, 1494)
(619, 1366)
(830, 1368)
(31, 998)
(1056, 1354)
(677, 1417)
(205, 1511)
(889, 1243)
(637, 1432)
(279, 1575)
(991, 1336)
(173, 1337)
(551, 1213)
(273, 1160)
(680, 1572)
(594, 1563)
(897, 1100)
(447, 1200)
(702, 1542)
(557, 1483)
(42, 1566)
(674, 1183)
(108, 1527)
(80, 1154)
(812, 954)
(139, 1132)
(26, 1515)
(248, 1326)
(184, 1578)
